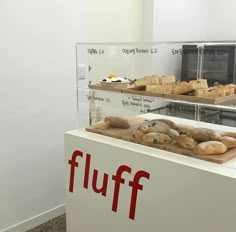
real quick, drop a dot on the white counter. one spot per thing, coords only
(140, 188)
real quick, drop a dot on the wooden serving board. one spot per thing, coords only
(126, 134)
(228, 100)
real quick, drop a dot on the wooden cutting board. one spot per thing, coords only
(126, 134)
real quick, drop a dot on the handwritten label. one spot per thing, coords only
(134, 51)
(100, 99)
(211, 52)
(93, 51)
(140, 103)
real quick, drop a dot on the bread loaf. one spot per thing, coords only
(210, 148)
(102, 125)
(172, 133)
(158, 88)
(182, 87)
(230, 134)
(184, 129)
(167, 79)
(203, 134)
(157, 126)
(186, 142)
(229, 142)
(143, 127)
(147, 80)
(199, 84)
(157, 138)
(137, 134)
(170, 123)
(117, 122)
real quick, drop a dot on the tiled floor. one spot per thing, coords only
(56, 225)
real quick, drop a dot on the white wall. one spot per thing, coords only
(37, 105)
(182, 20)
(222, 20)
(117, 21)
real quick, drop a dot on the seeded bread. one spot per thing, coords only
(186, 142)
(157, 138)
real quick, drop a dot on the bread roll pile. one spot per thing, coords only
(200, 141)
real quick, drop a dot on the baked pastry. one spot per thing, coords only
(199, 84)
(143, 127)
(182, 87)
(172, 133)
(159, 88)
(230, 134)
(210, 92)
(210, 148)
(186, 142)
(203, 134)
(157, 126)
(102, 125)
(229, 142)
(117, 122)
(137, 134)
(170, 123)
(167, 79)
(147, 80)
(157, 138)
(184, 129)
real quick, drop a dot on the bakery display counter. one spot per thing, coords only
(157, 151)
(115, 185)
(180, 137)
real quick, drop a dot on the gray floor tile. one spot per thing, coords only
(56, 225)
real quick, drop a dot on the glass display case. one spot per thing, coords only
(191, 84)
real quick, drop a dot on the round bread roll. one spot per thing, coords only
(172, 133)
(210, 148)
(117, 122)
(229, 142)
(157, 126)
(137, 134)
(170, 123)
(203, 135)
(101, 125)
(157, 138)
(186, 142)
